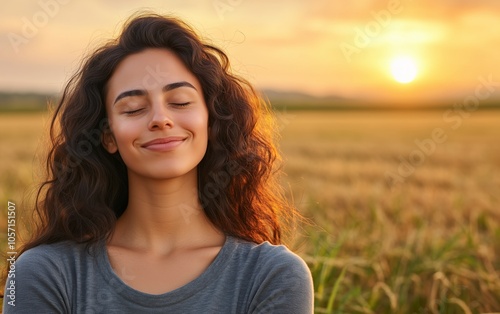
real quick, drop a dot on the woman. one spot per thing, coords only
(161, 194)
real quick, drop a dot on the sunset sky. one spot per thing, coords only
(319, 47)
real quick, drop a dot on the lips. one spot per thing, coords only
(164, 144)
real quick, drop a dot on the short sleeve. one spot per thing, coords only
(286, 286)
(35, 284)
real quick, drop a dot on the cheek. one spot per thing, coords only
(197, 123)
(124, 133)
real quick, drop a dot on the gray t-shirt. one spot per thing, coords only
(243, 278)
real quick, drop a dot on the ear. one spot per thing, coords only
(109, 142)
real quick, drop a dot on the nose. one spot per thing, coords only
(160, 118)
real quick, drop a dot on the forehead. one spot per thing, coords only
(148, 70)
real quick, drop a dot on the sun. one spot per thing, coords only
(404, 69)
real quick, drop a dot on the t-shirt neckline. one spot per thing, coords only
(177, 295)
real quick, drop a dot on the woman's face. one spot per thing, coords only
(157, 115)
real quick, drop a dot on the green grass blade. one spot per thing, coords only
(331, 299)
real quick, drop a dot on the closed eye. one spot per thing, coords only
(131, 112)
(180, 104)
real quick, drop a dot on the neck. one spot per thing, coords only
(163, 215)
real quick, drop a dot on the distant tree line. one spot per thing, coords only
(17, 101)
(280, 101)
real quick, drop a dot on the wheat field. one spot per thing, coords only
(402, 218)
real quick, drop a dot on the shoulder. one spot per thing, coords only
(56, 253)
(271, 257)
(281, 280)
(42, 277)
(54, 262)
(269, 262)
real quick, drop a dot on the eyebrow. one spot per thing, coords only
(142, 92)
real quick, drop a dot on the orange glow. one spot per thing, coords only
(404, 69)
(325, 48)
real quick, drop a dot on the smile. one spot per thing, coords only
(164, 144)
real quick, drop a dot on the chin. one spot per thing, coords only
(168, 173)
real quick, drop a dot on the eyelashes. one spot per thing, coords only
(136, 111)
(131, 112)
(181, 104)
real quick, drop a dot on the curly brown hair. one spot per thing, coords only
(87, 188)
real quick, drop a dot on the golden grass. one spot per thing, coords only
(430, 244)
(21, 141)
(427, 245)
